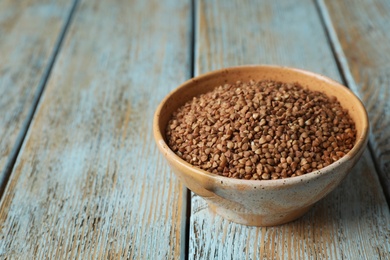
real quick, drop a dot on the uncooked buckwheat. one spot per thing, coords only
(261, 130)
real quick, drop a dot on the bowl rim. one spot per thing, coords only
(356, 149)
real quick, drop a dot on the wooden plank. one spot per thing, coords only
(350, 223)
(360, 34)
(29, 33)
(90, 183)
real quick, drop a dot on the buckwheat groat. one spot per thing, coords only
(261, 130)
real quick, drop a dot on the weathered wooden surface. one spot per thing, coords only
(350, 223)
(29, 31)
(360, 34)
(90, 183)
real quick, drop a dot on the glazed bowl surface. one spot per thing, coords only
(261, 202)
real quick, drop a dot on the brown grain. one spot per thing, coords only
(261, 130)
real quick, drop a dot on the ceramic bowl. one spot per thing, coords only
(261, 202)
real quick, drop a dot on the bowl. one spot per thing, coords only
(261, 202)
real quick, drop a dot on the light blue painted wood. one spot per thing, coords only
(29, 31)
(90, 183)
(360, 34)
(350, 223)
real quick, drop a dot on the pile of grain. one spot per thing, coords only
(261, 130)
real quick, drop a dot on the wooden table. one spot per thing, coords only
(81, 177)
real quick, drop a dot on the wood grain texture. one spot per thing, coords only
(350, 223)
(28, 34)
(90, 183)
(360, 34)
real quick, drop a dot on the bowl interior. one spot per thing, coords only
(209, 81)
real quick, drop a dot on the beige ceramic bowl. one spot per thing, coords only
(265, 202)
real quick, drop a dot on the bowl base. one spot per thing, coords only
(259, 220)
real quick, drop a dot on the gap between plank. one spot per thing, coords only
(185, 226)
(36, 100)
(346, 75)
(187, 194)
